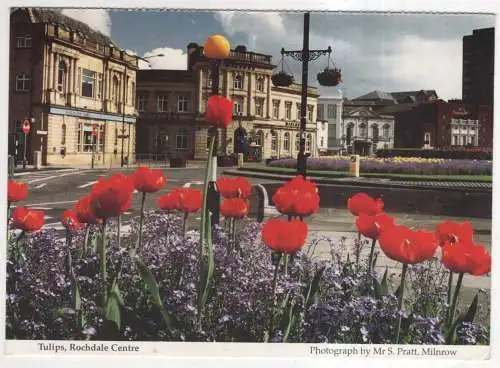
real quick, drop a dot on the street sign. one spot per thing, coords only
(26, 127)
(41, 132)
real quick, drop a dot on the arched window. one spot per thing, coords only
(309, 142)
(297, 141)
(63, 135)
(286, 142)
(260, 84)
(274, 141)
(386, 130)
(61, 77)
(375, 132)
(363, 132)
(238, 81)
(114, 91)
(259, 138)
(349, 131)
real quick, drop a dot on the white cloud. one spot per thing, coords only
(171, 59)
(426, 64)
(97, 19)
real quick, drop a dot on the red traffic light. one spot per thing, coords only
(26, 126)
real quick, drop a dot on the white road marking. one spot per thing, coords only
(55, 176)
(41, 208)
(188, 184)
(49, 203)
(88, 184)
(42, 171)
(40, 186)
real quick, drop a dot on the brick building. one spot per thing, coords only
(69, 80)
(172, 103)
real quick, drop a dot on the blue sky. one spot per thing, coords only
(389, 52)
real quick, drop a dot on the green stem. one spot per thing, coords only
(450, 287)
(18, 248)
(400, 300)
(286, 264)
(85, 241)
(102, 256)
(141, 220)
(370, 262)
(275, 285)
(204, 211)
(68, 246)
(455, 298)
(118, 230)
(184, 225)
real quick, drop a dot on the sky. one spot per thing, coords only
(375, 51)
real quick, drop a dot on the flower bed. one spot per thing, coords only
(464, 153)
(396, 165)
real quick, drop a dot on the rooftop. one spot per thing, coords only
(166, 75)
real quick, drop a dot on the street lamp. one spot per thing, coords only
(123, 136)
(305, 55)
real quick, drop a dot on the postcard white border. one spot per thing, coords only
(289, 355)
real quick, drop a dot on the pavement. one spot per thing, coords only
(54, 191)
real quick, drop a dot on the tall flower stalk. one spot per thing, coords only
(400, 301)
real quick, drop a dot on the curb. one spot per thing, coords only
(368, 182)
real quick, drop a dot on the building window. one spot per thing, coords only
(85, 135)
(132, 88)
(332, 111)
(238, 81)
(455, 140)
(427, 138)
(116, 136)
(182, 104)
(161, 103)
(310, 112)
(23, 41)
(238, 106)
(288, 110)
(63, 135)
(274, 141)
(298, 111)
(99, 85)
(88, 82)
(375, 132)
(115, 89)
(209, 78)
(464, 140)
(259, 106)
(260, 84)
(23, 82)
(297, 142)
(276, 109)
(259, 138)
(321, 116)
(142, 102)
(100, 139)
(309, 142)
(61, 77)
(181, 140)
(386, 131)
(286, 142)
(363, 132)
(322, 142)
(470, 139)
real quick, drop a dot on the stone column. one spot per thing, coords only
(50, 68)
(55, 69)
(249, 93)
(269, 106)
(199, 103)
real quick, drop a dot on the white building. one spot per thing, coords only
(330, 111)
(321, 137)
(366, 131)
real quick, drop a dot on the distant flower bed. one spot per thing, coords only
(469, 153)
(398, 165)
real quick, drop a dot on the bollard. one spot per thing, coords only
(37, 159)
(240, 160)
(11, 165)
(354, 166)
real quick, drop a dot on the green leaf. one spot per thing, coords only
(313, 288)
(115, 289)
(77, 300)
(377, 289)
(471, 312)
(204, 212)
(384, 285)
(152, 286)
(208, 266)
(112, 309)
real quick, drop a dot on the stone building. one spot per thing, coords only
(172, 104)
(75, 85)
(330, 112)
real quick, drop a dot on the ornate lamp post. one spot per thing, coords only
(216, 48)
(328, 77)
(123, 136)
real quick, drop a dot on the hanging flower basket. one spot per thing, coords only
(282, 79)
(329, 77)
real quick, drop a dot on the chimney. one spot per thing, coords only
(191, 48)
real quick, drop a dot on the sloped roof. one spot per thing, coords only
(361, 111)
(50, 16)
(412, 95)
(394, 109)
(377, 95)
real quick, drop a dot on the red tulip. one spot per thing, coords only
(408, 246)
(112, 196)
(466, 257)
(17, 191)
(234, 208)
(284, 236)
(363, 203)
(449, 231)
(149, 181)
(372, 226)
(190, 200)
(84, 212)
(69, 219)
(219, 111)
(234, 187)
(169, 201)
(27, 219)
(298, 197)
